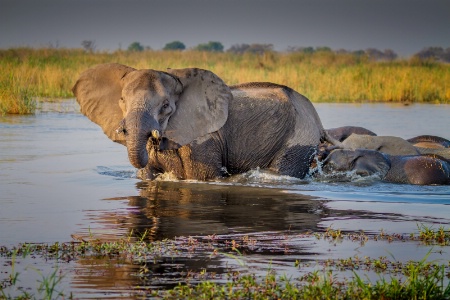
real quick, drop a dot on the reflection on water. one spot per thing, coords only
(181, 209)
(59, 175)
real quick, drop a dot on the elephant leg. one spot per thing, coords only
(202, 159)
(294, 161)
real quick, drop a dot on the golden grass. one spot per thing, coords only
(322, 76)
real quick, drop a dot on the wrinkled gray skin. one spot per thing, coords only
(342, 133)
(429, 141)
(410, 169)
(394, 145)
(387, 144)
(190, 123)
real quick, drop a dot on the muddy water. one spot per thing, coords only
(61, 176)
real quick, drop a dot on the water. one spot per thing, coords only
(60, 176)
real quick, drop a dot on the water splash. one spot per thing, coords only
(119, 172)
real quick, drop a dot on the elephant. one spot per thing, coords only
(190, 123)
(342, 133)
(409, 169)
(387, 144)
(398, 146)
(429, 141)
(421, 141)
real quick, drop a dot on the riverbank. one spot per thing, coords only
(321, 76)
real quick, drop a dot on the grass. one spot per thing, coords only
(319, 285)
(396, 280)
(322, 76)
(16, 95)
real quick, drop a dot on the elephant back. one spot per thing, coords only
(443, 152)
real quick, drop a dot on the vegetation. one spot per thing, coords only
(322, 75)
(16, 94)
(175, 45)
(88, 45)
(136, 46)
(435, 53)
(396, 280)
(210, 47)
(253, 48)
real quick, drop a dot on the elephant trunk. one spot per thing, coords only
(140, 127)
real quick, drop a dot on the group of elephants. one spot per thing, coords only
(190, 123)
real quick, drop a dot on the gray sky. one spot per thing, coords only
(405, 26)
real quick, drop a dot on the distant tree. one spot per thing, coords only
(253, 48)
(175, 45)
(446, 55)
(390, 55)
(301, 49)
(374, 54)
(239, 48)
(436, 53)
(359, 53)
(323, 49)
(342, 51)
(88, 45)
(136, 46)
(210, 47)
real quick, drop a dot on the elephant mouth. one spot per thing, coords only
(163, 144)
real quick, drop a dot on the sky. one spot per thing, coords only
(405, 26)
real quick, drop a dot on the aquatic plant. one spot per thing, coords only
(428, 235)
(321, 279)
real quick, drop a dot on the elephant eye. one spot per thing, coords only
(165, 109)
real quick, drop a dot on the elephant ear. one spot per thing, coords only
(98, 91)
(202, 107)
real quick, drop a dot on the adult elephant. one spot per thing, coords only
(190, 123)
(410, 169)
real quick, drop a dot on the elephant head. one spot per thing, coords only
(170, 108)
(391, 145)
(361, 161)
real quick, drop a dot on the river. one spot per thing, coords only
(61, 176)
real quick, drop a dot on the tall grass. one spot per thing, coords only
(321, 76)
(16, 95)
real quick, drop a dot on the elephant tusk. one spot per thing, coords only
(121, 130)
(156, 134)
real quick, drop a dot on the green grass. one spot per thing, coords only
(322, 76)
(16, 95)
(422, 279)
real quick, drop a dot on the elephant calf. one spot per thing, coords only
(410, 169)
(353, 137)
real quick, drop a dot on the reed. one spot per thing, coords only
(321, 76)
(423, 279)
(16, 94)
